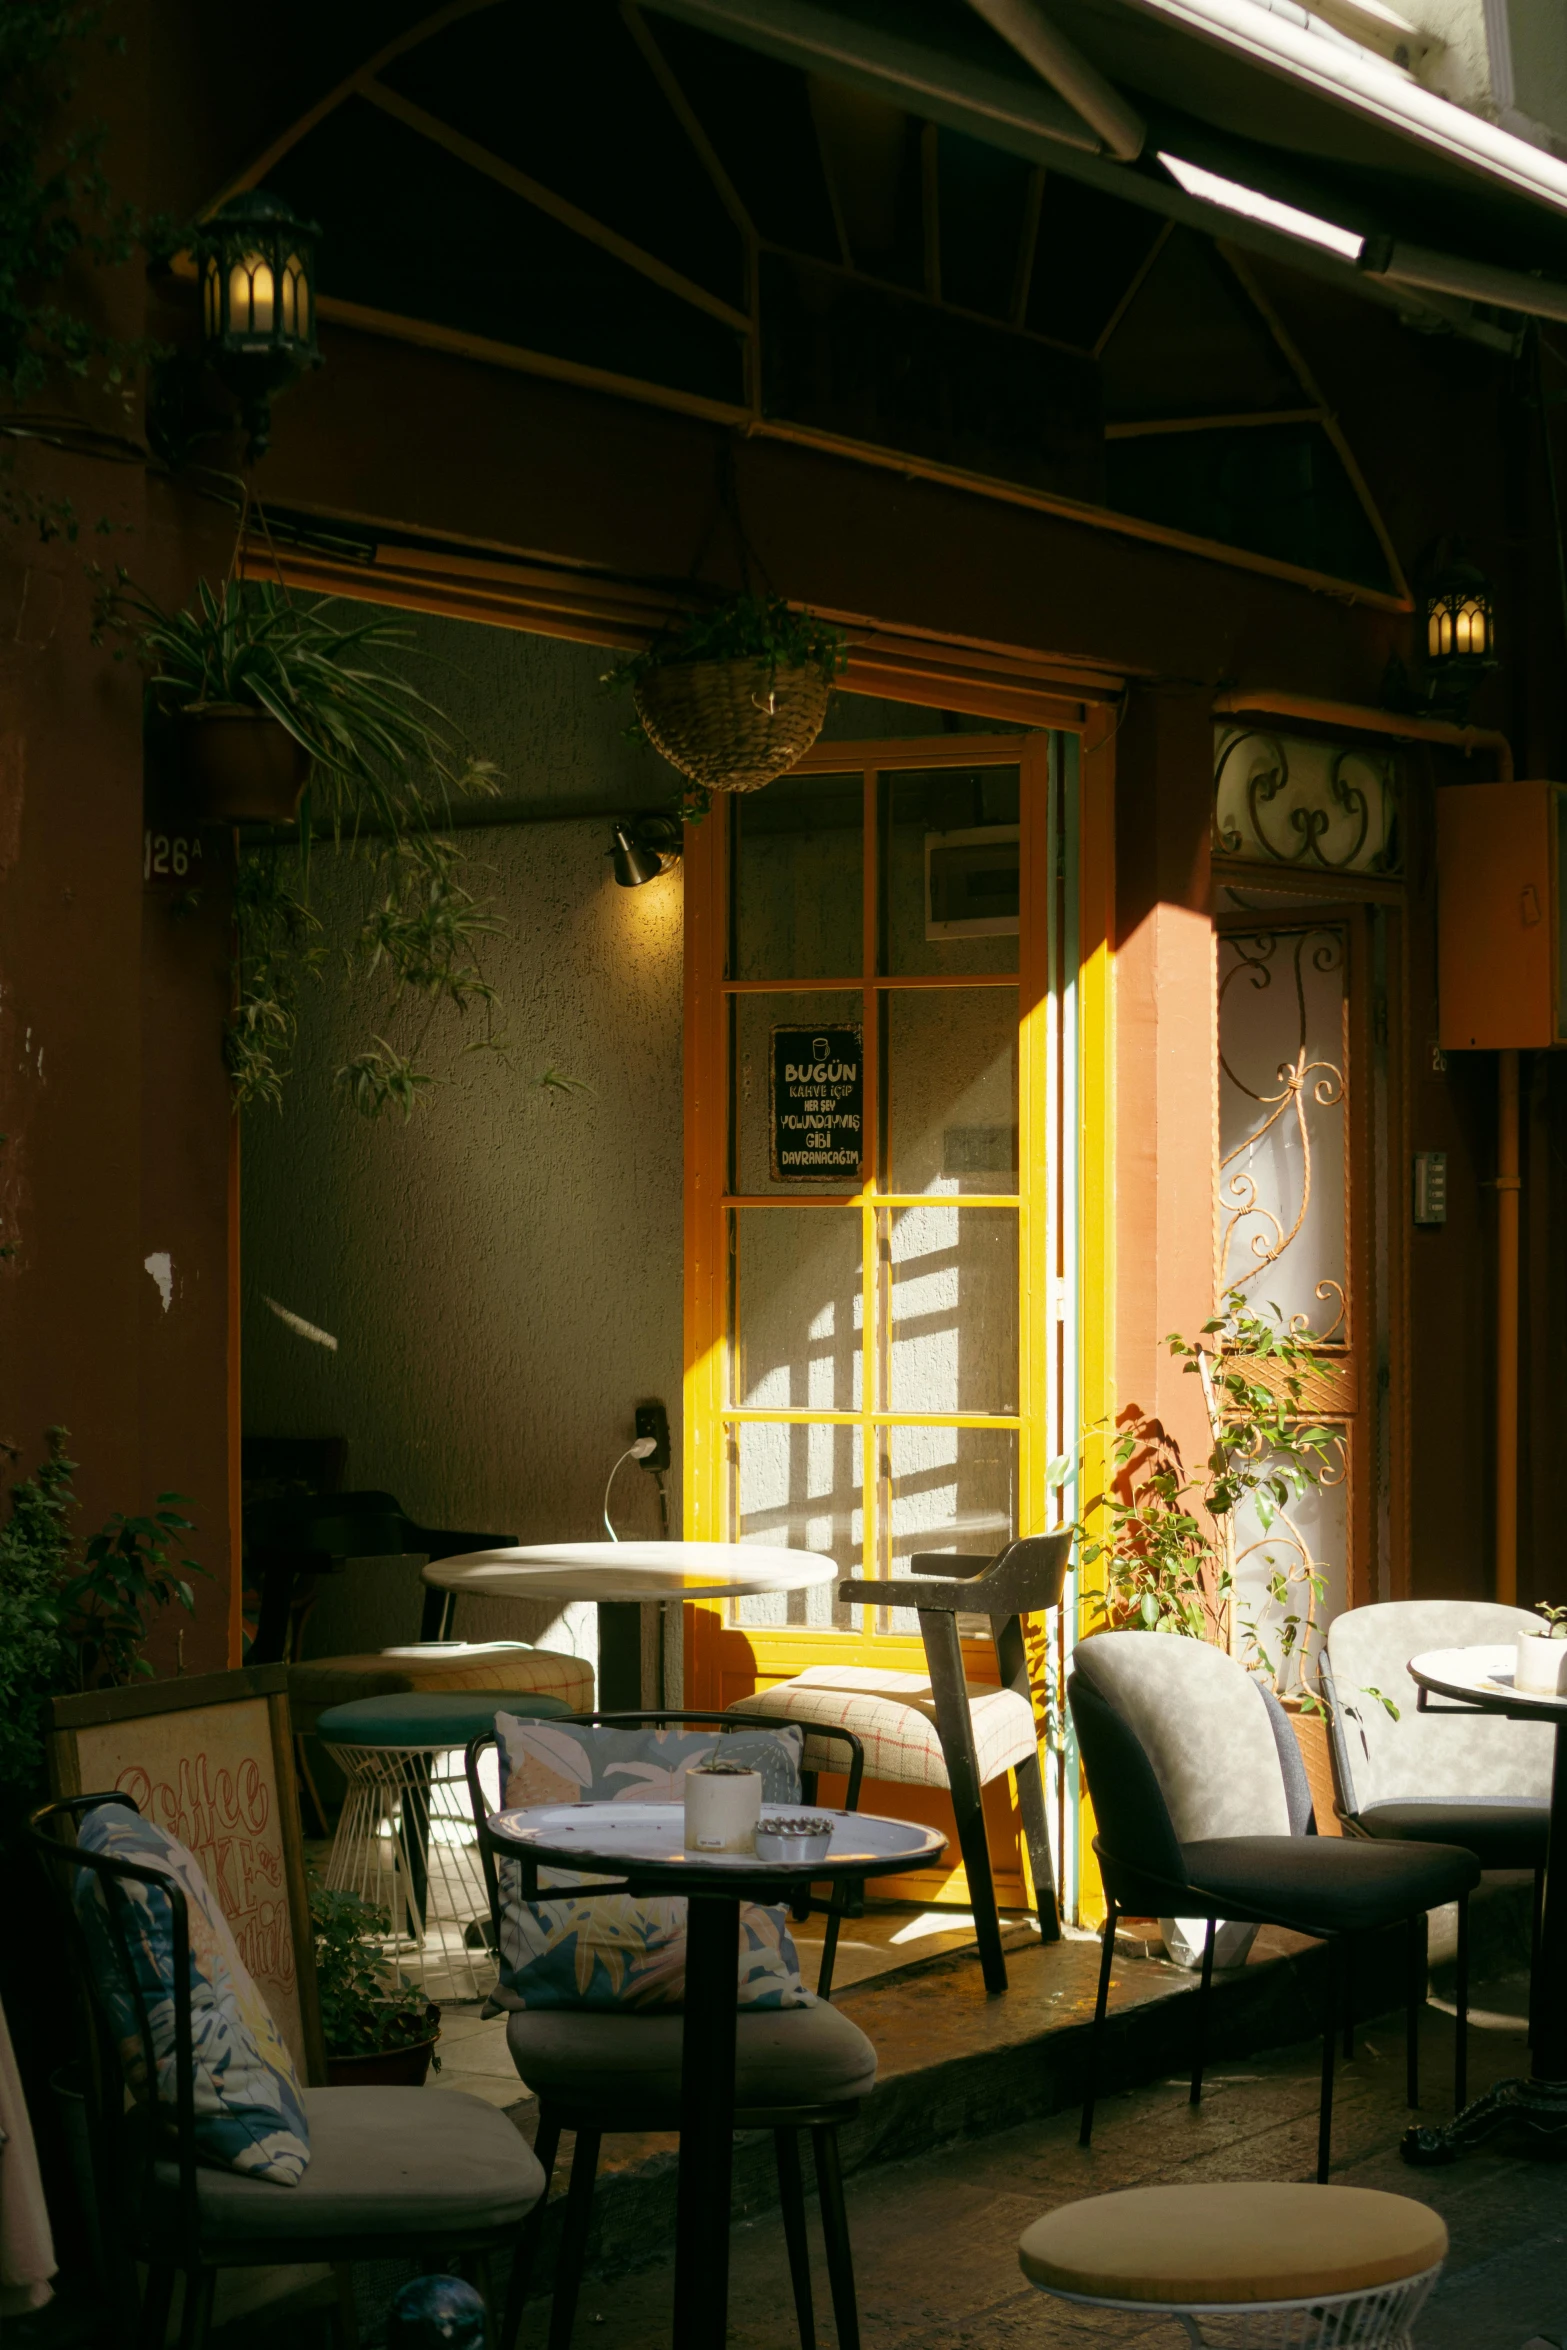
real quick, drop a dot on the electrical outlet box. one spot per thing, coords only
(653, 1420)
(1430, 1201)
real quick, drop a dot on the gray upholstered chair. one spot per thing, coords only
(1455, 1778)
(1204, 1811)
(592, 2070)
(392, 2172)
(937, 1729)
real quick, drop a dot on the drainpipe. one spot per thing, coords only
(1509, 1185)
(1026, 28)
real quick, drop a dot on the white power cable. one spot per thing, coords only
(633, 1452)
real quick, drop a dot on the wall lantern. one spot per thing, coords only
(643, 847)
(1460, 644)
(258, 303)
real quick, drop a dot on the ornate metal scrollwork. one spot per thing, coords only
(1297, 802)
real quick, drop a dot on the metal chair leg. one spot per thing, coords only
(1085, 2129)
(1414, 2001)
(1335, 1993)
(955, 1729)
(1534, 1947)
(1461, 2033)
(152, 2331)
(791, 2195)
(835, 2227)
(1012, 1654)
(347, 2312)
(1349, 1999)
(546, 2145)
(201, 2285)
(830, 1942)
(1202, 2012)
(574, 2238)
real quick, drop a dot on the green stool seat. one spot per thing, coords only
(430, 1717)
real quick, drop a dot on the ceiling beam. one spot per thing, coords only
(1024, 26)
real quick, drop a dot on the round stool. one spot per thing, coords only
(1257, 2266)
(405, 1837)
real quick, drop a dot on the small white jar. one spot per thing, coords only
(1541, 1669)
(723, 1805)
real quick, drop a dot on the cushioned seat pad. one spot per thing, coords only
(894, 1717)
(507, 1665)
(428, 1717)
(1329, 1884)
(1258, 2241)
(783, 2056)
(1501, 1835)
(383, 2162)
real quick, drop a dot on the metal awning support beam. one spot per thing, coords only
(1472, 281)
(1025, 27)
(943, 87)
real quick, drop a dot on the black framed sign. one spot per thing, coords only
(818, 1104)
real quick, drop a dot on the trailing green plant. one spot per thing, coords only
(387, 770)
(367, 2007)
(1168, 1541)
(739, 628)
(129, 1574)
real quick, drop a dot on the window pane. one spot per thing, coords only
(799, 879)
(944, 1489)
(756, 1017)
(799, 1308)
(799, 1488)
(949, 878)
(952, 1090)
(951, 1315)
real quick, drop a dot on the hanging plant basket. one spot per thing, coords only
(240, 766)
(731, 725)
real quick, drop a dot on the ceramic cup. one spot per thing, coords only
(1542, 1665)
(723, 1805)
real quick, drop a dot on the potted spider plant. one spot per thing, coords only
(735, 694)
(380, 2030)
(1541, 1670)
(261, 693)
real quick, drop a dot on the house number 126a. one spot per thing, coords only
(170, 860)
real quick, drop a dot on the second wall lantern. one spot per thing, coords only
(258, 303)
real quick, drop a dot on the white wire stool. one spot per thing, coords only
(1354, 2264)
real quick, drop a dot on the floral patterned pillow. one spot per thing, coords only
(622, 1950)
(250, 2111)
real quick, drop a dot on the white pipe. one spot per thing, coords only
(1475, 281)
(1023, 25)
(1367, 86)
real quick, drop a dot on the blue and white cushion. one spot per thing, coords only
(621, 1950)
(250, 2110)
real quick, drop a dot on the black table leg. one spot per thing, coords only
(1539, 2104)
(707, 2121)
(620, 1656)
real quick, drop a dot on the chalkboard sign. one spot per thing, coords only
(818, 1104)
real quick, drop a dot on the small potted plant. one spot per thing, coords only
(1541, 1670)
(380, 2030)
(734, 695)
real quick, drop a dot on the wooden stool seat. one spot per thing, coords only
(1231, 2245)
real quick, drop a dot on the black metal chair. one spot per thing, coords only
(289, 1543)
(392, 2172)
(1204, 1811)
(942, 1730)
(592, 2071)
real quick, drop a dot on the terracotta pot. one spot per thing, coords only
(240, 766)
(393, 2068)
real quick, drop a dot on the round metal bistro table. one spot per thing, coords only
(625, 1577)
(1480, 1680)
(643, 1846)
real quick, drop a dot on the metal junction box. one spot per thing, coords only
(1500, 977)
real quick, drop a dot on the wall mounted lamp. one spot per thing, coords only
(643, 847)
(1460, 639)
(258, 303)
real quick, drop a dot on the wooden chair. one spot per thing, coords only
(938, 1729)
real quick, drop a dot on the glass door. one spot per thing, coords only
(885, 1252)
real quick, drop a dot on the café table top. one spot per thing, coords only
(1483, 1677)
(632, 1570)
(646, 1843)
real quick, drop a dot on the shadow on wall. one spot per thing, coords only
(477, 1300)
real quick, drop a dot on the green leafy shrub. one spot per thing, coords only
(367, 2007)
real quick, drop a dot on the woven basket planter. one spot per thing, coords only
(731, 725)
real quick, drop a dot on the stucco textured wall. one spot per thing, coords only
(503, 1274)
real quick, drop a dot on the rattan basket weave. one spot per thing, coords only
(731, 725)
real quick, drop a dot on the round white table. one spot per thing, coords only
(1480, 1680)
(643, 1846)
(624, 1577)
